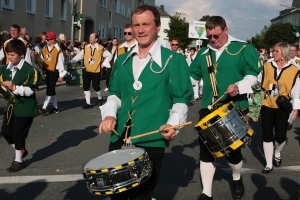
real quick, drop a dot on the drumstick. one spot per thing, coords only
(152, 132)
(210, 106)
(115, 132)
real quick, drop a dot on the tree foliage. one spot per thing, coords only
(179, 28)
(272, 35)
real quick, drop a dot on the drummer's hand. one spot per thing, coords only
(60, 79)
(10, 85)
(107, 124)
(232, 90)
(168, 134)
(295, 114)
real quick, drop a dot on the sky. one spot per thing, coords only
(244, 18)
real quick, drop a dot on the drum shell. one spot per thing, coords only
(223, 134)
(118, 178)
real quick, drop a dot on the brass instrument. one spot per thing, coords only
(7, 94)
(39, 61)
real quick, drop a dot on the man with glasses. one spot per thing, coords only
(54, 70)
(130, 41)
(175, 45)
(93, 54)
(235, 64)
(14, 32)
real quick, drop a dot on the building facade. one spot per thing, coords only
(105, 17)
(290, 15)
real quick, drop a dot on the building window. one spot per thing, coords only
(102, 30)
(63, 10)
(122, 8)
(103, 3)
(116, 32)
(8, 4)
(117, 6)
(49, 8)
(31, 6)
(128, 11)
(110, 19)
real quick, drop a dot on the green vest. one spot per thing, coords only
(236, 61)
(149, 108)
(24, 106)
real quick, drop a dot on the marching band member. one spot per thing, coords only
(280, 76)
(21, 79)
(190, 57)
(149, 90)
(14, 32)
(54, 70)
(92, 55)
(236, 66)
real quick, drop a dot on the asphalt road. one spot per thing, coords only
(60, 144)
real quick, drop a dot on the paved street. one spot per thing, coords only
(60, 144)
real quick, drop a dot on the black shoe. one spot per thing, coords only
(100, 102)
(238, 189)
(277, 162)
(54, 110)
(15, 166)
(42, 112)
(86, 106)
(204, 197)
(266, 170)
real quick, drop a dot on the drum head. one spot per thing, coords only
(113, 158)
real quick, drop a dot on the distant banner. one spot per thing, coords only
(197, 29)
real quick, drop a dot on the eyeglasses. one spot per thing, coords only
(174, 44)
(214, 36)
(48, 39)
(127, 33)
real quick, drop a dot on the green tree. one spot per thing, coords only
(179, 28)
(279, 33)
(204, 18)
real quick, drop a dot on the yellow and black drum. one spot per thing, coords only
(117, 171)
(224, 130)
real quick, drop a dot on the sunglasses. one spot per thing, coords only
(174, 44)
(214, 36)
(127, 33)
(48, 39)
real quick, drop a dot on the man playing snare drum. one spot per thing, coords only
(149, 90)
(235, 66)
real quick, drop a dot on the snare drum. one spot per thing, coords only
(117, 171)
(224, 130)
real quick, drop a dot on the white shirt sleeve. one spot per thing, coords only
(295, 94)
(246, 84)
(79, 56)
(111, 107)
(178, 114)
(23, 91)
(60, 65)
(108, 56)
(27, 56)
(1, 55)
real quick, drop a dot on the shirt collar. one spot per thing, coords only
(286, 65)
(124, 44)
(230, 39)
(96, 45)
(154, 52)
(11, 67)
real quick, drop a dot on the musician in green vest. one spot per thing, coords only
(149, 90)
(235, 66)
(19, 80)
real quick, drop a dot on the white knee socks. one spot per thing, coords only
(46, 102)
(19, 156)
(87, 95)
(54, 99)
(99, 94)
(207, 171)
(236, 170)
(268, 150)
(278, 148)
